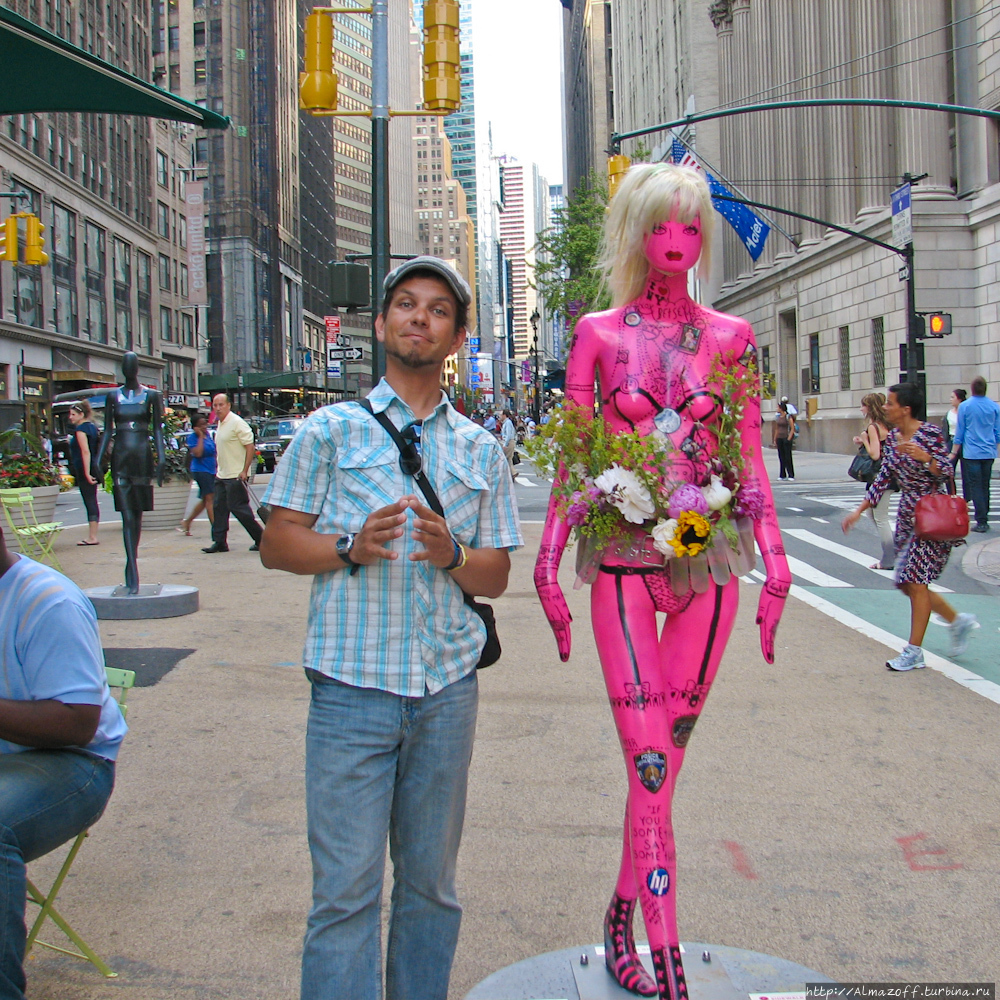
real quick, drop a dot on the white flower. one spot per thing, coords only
(627, 493)
(716, 495)
(663, 531)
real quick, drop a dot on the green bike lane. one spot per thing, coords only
(884, 615)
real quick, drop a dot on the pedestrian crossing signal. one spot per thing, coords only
(938, 325)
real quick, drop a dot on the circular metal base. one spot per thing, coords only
(728, 974)
(156, 600)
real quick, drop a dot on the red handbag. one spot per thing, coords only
(941, 517)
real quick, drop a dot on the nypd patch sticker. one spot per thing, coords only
(651, 767)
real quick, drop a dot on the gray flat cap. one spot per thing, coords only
(455, 281)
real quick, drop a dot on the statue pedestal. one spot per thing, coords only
(729, 974)
(154, 600)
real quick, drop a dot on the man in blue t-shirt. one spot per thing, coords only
(977, 437)
(204, 466)
(60, 729)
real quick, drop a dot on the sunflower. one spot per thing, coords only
(691, 535)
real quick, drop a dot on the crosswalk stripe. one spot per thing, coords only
(846, 552)
(815, 576)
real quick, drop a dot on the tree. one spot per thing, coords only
(567, 273)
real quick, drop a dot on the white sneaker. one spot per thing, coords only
(791, 479)
(912, 658)
(959, 631)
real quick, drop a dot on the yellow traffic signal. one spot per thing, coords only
(34, 241)
(442, 59)
(617, 167)
(8, 239)
(318, 84)
(938, 324)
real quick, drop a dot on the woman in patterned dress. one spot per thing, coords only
(915, 457)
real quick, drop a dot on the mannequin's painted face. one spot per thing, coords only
(673, 247)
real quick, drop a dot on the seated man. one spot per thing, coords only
(60, 729)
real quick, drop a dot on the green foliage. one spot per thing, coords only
(641, 153)
(175, 468)
(735, 385)
(572, 247)
(19, 470)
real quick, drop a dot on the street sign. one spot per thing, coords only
(526, 371)
(335, 369)
(332, 334)
(902, 216)
(346, 354)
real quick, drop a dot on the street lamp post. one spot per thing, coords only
(536, 408)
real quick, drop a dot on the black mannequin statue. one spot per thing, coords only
(133, 414)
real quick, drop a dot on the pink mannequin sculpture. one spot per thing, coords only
(656, 358)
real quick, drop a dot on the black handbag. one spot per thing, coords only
(864, 468)
(492, 650)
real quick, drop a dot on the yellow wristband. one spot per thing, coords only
(465, 556)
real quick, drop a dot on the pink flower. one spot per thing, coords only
(687, 497)
(749, 502)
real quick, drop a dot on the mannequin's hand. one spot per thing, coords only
(769, 609)
(554, 604)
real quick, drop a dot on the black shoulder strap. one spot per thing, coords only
(422, 481)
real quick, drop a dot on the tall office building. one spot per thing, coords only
(109, 191)
(523, 216)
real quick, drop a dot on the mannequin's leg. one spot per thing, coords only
(657, 687)
(131, 529)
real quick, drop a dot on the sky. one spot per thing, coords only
(517, 47)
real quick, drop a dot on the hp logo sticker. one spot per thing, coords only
(658, 881)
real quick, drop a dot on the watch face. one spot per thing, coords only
(344, 544)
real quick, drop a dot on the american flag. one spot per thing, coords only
(749, 226)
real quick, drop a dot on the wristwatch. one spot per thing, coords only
(344, 545)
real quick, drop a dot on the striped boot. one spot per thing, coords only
(670, 973)
(619, 949)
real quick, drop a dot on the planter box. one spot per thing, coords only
(169, 504)
(43, 500)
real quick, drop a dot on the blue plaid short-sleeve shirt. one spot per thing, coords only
(397, 625)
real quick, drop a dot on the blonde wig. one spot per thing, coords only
(649, 194)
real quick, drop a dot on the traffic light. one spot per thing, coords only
(442, 59)
(318, 84)
(34, 241)
(8, 239)
(617, 167)
(938, 325)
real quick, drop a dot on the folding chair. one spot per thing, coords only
(36, 540)
(119, 681)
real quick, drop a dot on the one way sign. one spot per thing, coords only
(346, 354)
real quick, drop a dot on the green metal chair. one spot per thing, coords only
(119, 681)
(36, 540)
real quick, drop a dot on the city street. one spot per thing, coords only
(829, 813)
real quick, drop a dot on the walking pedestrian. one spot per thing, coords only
(82, 463)
(873, 438)
(391, 646)
(508, 440)
(234, 454)
(950, 423)
(977, 435)
(781, 437)
(204, 466)
(915, 458)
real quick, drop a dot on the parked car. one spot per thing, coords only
(273, 438)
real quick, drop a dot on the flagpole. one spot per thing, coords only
(725, 180)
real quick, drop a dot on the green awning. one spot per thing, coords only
(40, 71)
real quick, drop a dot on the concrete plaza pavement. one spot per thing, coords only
(829, 812)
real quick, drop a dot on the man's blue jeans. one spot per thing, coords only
(382, 766)
(976, 474)
(46, 798)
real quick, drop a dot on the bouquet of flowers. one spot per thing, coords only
(611, 486)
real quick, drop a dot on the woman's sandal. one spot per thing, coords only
(85, 542)
(887, 569)
(181, 530)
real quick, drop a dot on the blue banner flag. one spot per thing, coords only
(749, 226)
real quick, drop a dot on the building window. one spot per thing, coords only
(183, 232)
(813, 363)
(163, 220)
(200, 72)
(122, 263)
(199, 33)
(878, 351)
(166, 325)
(143, 280)
(164, 272)
(162, 171)
(184, 281)
(123, 327)
(64, 316)
(201, 150)
(845, 357)
(174, 37)
(97, 319)
(64, 233)
(187, 329)
(93, 249)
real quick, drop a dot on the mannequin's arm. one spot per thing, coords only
(767, 534)
(161, 459)
(109, 426)
(579, 390)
